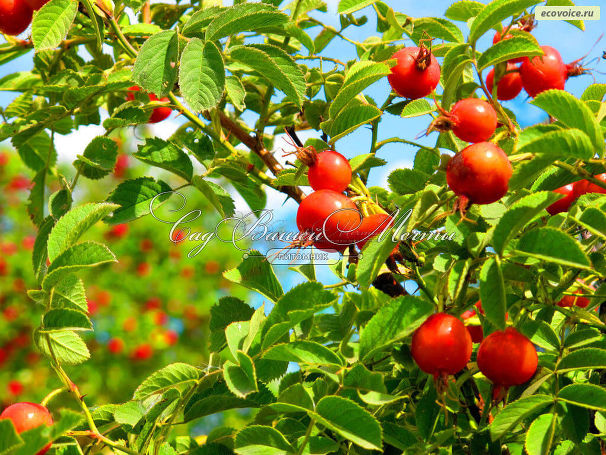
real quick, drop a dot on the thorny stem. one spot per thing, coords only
(580, 172)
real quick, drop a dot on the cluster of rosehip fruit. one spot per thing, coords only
(327, 218)
(442, 346)
(16, 15)
(480, 173)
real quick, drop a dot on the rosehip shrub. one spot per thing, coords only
(198, 286)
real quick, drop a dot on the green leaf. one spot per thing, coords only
(275, 65)
(9, 439)
(359, 76)
(78, 257)
(165, 155)
(235, 92)
(582, 337)
(62, 319)
(393, 322)
(69, 293)
(552, 245)
(494, 13)
(241, 378)
(199, 20)
(594, 220)
(244, 17)
(516, 411)
(35, 150)
(216, 195)
(99, 158)
(573, 113)
(492, 292)
(202, 75)
(518, 46)
(407, 181)
(463, 10)
(74, 224)
(155, 69)
(308, 352)
(594, 92)
(35, 201)
(67, 346)
(519, 215)
(350, 421)
(171, 376)
(437, 28)
(52, 22)
(261, 440)
(351, 6)
(539, 437)
(365, 161)
(256, 273)
(585, 395)
(558, 144)
(540, 333)
(134, 197)
(583, 359)
(294, 399)
(416, 108)
(352, 117)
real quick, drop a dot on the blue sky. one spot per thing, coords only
(571, 42)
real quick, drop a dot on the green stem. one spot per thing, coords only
(312, 422)
(580, 172)
(121, 38)
(52, 395)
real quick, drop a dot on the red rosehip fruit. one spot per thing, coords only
(372, 226)
(568, 301)
(441, 345)
(115, 345)
(563, 204)
(507, 358)
(142, 352)
(36, 4)
(329, 170)
(330, 217)
(159, 113)
(509, 86)
(543, 72)
(416, 73)
(15, 16)
(121, 166)
(479, 172)
(27, 416)
(472, 120)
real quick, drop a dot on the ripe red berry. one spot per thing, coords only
(28, 242)
(159, 113)
(441, 345)
(509, 86)
(497, 37)
(27, 416)
(36, 4)
(584, 186)
(371, 226)
(480, 172)
(142, 352)
(329, 171)
(543, 72)
(20, 182)
(15, 387)
(563, 204)
(115, 345)
(171, 337)
(121, 166)
(507, 358)
(212, 267)
(568, 301)
(146, 245)
(117, 232)
(330, 216)
(4, 158)
(15, 16)
(143, 269)
(472, 120)
(416, 73)
(153, 303)
(475, 331)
